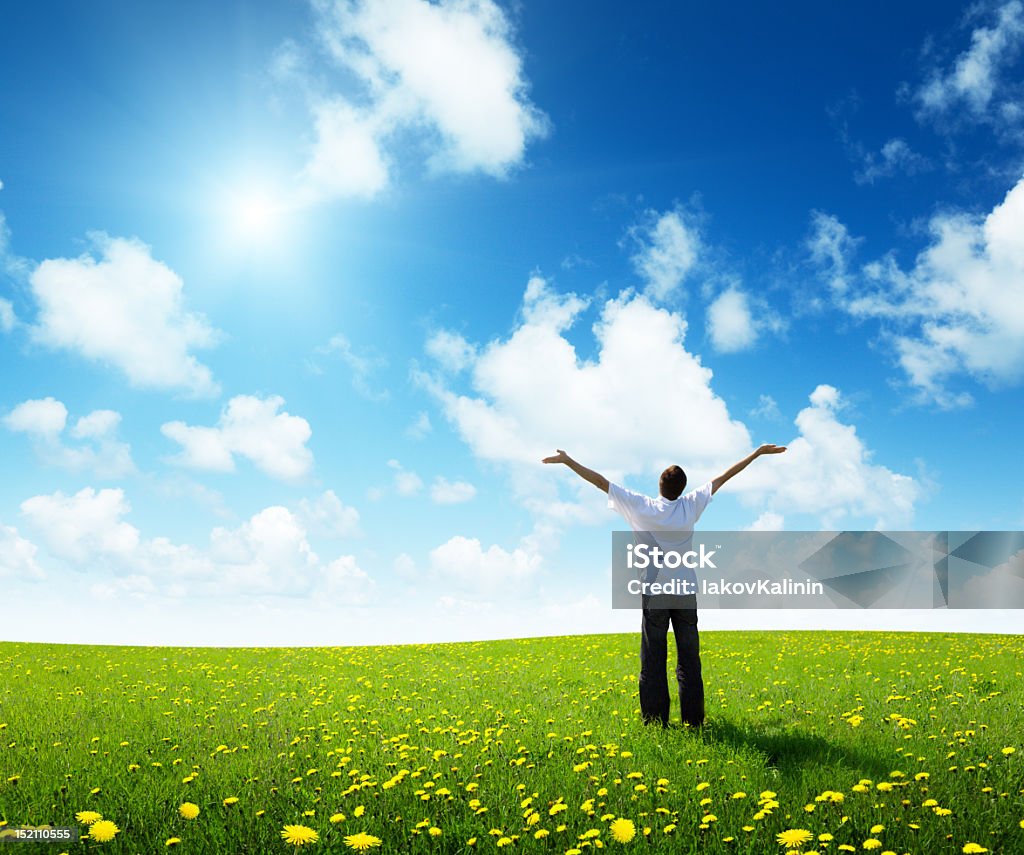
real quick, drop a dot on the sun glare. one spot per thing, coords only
(253, 216)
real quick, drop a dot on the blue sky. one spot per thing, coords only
(294, 296)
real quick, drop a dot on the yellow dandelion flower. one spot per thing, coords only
(359, 811)
(471, 841)
(336, 818)
(189, 810)
(503, 841)
(1007, 751)
(670, 828)
(434, 831)
(794, 838)
(846, 847)
(363, 841)
(709, 818)
(230, 800)
(973, 849)
(103, 830)
(299, 835)
(622, 830)
(739, 795)
(541, 833)
(172, 841)
(872, 843)
(877, 829)
(88, 817)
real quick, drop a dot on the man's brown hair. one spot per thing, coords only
(672, 483)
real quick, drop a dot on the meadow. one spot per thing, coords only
(816, 742)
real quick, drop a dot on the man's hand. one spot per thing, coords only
(595, 478)
(768, 448)
(561, 457)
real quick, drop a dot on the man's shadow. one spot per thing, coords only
(789, 750)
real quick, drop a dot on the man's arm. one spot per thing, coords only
(595, 478)
(743, 464)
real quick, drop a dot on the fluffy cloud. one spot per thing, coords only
(960, 308)
(532, 392)
(827, 471)
(669, 248)
(98, 449)
(450, 350)
(420, 426)
(45, 417)
(85, 525)
(731, 325)
(443, 74)
(344, 580)
(975, 78)
(126, 309)
(250, 427)
(7, 317)
(329, 516)
(407, 483)
(445, 492)
(17, 556)
(361, 365)
(831, 247)
(269, 553)
(470, 570)
(895, 157)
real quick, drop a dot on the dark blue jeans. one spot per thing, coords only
(654, 697)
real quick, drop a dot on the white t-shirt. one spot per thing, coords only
(669, 523)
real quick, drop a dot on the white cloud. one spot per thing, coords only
(328, 515)
(450, 350)
(445, 492)
(345, 581)
(85, 525)
(730, 323)
(346, 160)
(250, 427)
(17, 556)
(960, 308)
(532, 393)
(361, 365)
(268, 554)
(767, 408)
(98, 449)
(831, 247)
(827, 471)
(896, 156)
(768, 521)
(406, 483)
(7, 316)
(43, 417)
(420, 426)
(467, 570)
(125, 309)
(444, 76)
(669, 249)
(976, 75)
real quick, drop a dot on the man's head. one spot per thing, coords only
(672, 483)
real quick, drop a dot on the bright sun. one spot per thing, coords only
(254, 218)
(253, 215)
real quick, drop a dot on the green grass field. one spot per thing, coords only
(871, 742)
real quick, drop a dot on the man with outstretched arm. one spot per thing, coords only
(668, 520)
